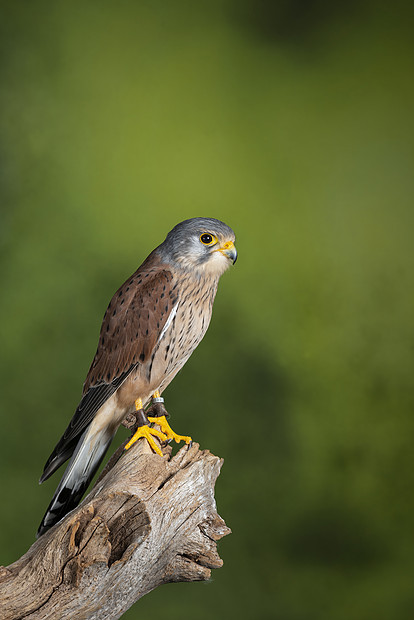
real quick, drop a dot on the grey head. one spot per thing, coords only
(203, 244)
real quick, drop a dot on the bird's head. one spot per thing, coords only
(201, 244)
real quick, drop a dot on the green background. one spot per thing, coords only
(291, 121)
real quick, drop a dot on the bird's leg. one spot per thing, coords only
(144, 430)
(159, 417)
(157, 409)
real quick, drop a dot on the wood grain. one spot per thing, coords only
(148, 521)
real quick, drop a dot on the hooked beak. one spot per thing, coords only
(229, 251)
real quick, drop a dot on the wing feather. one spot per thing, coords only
(132, 324)
(131, 328)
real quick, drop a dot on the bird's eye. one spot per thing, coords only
(208, 239)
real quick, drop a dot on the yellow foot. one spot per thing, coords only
(167, 430)
(148, 433)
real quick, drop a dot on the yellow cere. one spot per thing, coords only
(226, 246)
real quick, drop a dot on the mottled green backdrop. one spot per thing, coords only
(293, 122)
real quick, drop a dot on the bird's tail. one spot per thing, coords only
(85, 460)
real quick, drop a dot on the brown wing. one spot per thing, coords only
(130, 330)
(132, 325)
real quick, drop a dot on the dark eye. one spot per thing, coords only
(208, 239)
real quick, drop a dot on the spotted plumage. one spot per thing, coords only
(153, 323)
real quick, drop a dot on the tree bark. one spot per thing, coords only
(147, 521)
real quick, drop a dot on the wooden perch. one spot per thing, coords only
(147, 521)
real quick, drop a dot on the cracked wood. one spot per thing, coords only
(147, 521)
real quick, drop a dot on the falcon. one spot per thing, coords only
(153, 323)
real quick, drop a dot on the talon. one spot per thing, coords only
(167, 430)
(148, 433)
(144, 430)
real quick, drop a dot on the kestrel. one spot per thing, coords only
(153, 323)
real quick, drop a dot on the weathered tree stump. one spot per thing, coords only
(148, 521)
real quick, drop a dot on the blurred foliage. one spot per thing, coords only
(291, 121)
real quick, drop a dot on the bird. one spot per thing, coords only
(153, 323)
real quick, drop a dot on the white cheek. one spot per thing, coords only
(216, 264)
